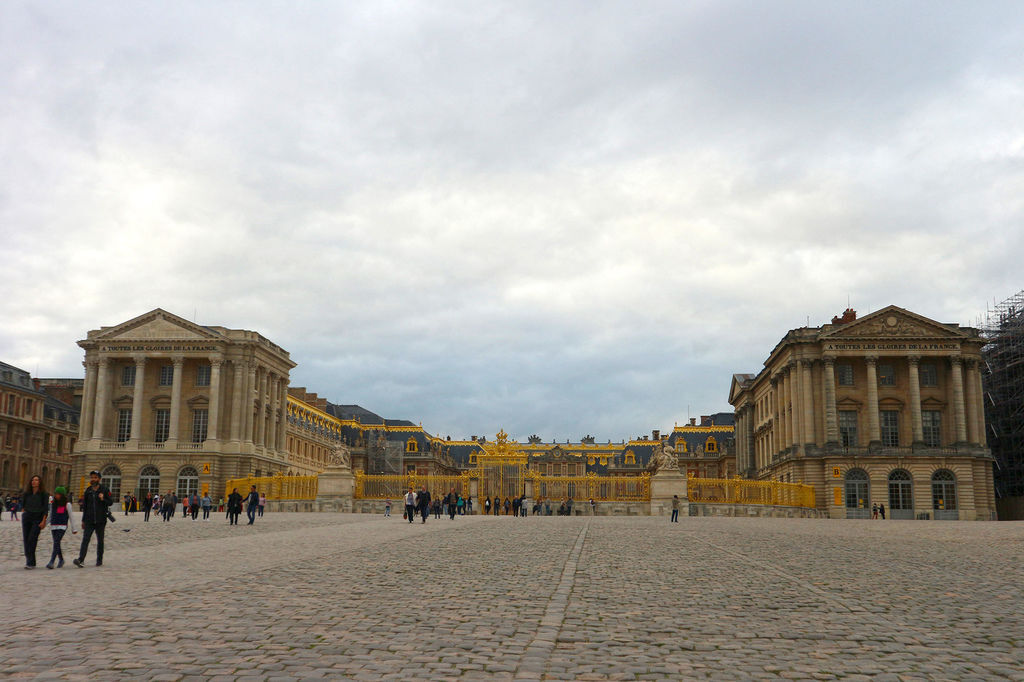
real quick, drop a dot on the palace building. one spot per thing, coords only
(37, 432)
(168, 404)
(885, 409)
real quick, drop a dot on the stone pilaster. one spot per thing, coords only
(272, 401)
(237, 400)
(247, 404)
(261, 410)
(283, 425)
(807, 402)
(88, 401)
(973, 401)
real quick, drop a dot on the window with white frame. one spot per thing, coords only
(931, 422)
(162, 422)
(128, 375)
(166, 375)
(124, 425)
(203, 375)
(928, 374)
(844, 374)
(199, 424)
(848, 428)
(890, 428)
(886, 375)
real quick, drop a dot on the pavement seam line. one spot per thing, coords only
(538, 651)
(800, 581)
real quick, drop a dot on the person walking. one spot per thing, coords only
(387, 507)
(881, 511)
(515, 507)
(15, 506)
(253, 501)
(508, 506)
(33, 517)
(874, 512)
(234, 507)
(193, 505)
(469, 505)
(461, 504)
(94, 518)
(410, 505)
(496, 505)
(452, 500)
(60, 520)
(423, 501)
(207, 504)
(147, 505)
(127, 503)
(263, 503)
(675, 509)
(487, 506)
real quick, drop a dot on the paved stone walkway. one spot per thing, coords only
(304, 596)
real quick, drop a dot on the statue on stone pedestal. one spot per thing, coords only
(341, 457)
(664, 459)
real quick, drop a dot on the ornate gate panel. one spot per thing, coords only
(501, 469)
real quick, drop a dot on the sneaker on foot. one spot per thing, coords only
(77, 562)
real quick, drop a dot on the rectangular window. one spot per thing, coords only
(848, 428)
(28, 406)
(166, 375)
(886, 375)
(12, 405)
(928, 374)
(932, 422)
(203, 375)
(890, 428)
(844, 374)
(199, 421)
(124, 425)
(46, 442)
(128, 375)
(163, 425)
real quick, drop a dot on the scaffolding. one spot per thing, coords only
(1003, 382)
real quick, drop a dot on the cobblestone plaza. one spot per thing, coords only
(367, 597)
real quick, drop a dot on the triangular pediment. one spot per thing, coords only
(893, 322)
(157, 325)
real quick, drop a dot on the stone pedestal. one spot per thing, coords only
(335, 488)
(665, 484)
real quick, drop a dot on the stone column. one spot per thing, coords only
(793, 398)
(915, 399)
(973, 402)
(272, 401)
(140, 380)
(88, 401)
(829, 389)
(959, 416)
(778, 424)
(237, 400)
(247, 404)
(874, 428)
(282, 428)
(102, 398)
(174, 430)
(807, 395)
(261, 410)
(214, 413)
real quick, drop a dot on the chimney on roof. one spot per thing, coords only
(656, 434)
(693, 421)
(706, 420)
(849, 315)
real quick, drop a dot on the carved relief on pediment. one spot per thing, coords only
(892, 325)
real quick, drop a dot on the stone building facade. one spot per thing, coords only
(172, 405)
(37, 433)
(886, 409)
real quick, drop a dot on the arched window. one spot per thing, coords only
(630, 457)
(188, 482)
(149, 481)
(901, 495)
(857, 494)
(411, 445)
(944, 495)
(711, 445)
(110, 476)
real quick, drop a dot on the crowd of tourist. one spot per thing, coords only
(40, 509)
(423, 503)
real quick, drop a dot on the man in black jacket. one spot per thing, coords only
(253, 501)
(94, 517)
(423, 502)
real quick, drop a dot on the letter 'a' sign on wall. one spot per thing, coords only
(206, 468)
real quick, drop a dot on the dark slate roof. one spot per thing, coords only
(363, 415)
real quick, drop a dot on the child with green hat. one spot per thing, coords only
(60, 518)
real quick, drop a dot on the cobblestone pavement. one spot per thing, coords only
(359, 596)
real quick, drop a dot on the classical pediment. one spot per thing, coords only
(158, 325)
(893, 322)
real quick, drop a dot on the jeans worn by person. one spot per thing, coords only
(30, 535)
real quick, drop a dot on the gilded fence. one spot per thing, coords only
(592, 487)
(739, 491)
(394, 486)
(276, 487)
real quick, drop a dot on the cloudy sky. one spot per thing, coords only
(561, 218)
